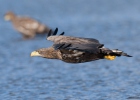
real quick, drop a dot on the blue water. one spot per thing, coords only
(116, 23)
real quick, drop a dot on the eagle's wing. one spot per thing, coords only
(91, 48)
(70, 40)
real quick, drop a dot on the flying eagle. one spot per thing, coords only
(76, 49)
(25, 25)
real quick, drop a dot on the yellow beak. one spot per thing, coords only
(109, 57)
(35, 53)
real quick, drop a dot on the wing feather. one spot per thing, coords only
(72, 40)
(69, 39)
(91, 48)
(74, 43)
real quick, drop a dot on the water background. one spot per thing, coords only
(115, 23)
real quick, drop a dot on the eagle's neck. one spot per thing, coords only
(49, 53)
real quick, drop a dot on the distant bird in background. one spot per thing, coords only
(76, 49)
(25, 25)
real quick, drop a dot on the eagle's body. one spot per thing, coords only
(25, 25)
(76, 56)
(70, 56)
(76, 49)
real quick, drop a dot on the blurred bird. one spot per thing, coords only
(25, 25)
(76, 49)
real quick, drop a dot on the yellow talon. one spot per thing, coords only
(109, 57)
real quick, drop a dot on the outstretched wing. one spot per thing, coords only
(91, 48)
(70, 40)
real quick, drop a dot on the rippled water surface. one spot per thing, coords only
(116, 23)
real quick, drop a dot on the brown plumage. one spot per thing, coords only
(25, 25)
(76, 49)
